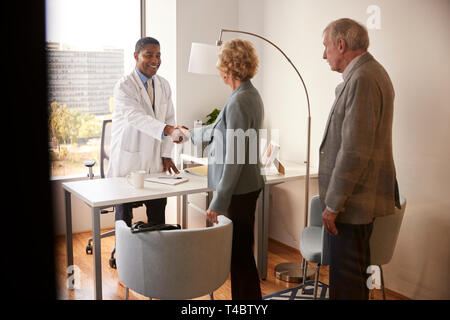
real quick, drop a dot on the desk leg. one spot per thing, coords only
(69, 243)
(179, 210)
(184, 213)
(179, 200)
(97, 254)
(265, 230)
(262, 232)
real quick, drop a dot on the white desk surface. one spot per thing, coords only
(293, 170)
(188, 157)
(112, 191)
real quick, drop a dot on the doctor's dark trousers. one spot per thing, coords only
(244, 274)
(349, 258)
(155, 209)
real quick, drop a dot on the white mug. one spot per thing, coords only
(136, 178)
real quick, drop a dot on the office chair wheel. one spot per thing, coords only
(112, 263)
(88, 249)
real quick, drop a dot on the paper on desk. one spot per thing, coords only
(171, 182)
(270, 170)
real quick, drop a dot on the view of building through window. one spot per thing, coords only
(90, 45)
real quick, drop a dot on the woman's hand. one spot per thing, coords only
(211, 216)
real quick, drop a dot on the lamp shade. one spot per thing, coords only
(203, 58)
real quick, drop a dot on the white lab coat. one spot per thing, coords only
(137, 140)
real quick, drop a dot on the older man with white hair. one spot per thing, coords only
(357, 180)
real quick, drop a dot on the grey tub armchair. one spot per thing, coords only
(174, 264)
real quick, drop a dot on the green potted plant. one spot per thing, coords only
(212, 116)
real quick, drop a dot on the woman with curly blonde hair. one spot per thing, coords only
(237, 183)
(237, 60)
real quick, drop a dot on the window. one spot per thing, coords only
(90, 45)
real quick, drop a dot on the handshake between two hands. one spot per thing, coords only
(177, 133)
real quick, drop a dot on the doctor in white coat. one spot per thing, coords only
(142, 126)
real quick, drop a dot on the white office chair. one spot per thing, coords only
(384, 238)
(104, 158)
(174, 264)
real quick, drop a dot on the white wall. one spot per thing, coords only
(161, 21)
(413, 45)
(200, 21)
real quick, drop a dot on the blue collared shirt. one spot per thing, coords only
(143, 78)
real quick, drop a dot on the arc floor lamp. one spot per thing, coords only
(203, 59)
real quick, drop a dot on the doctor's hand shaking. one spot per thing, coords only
(178, 133)
(173, 133)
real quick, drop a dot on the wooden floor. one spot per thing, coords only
(113, 289)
